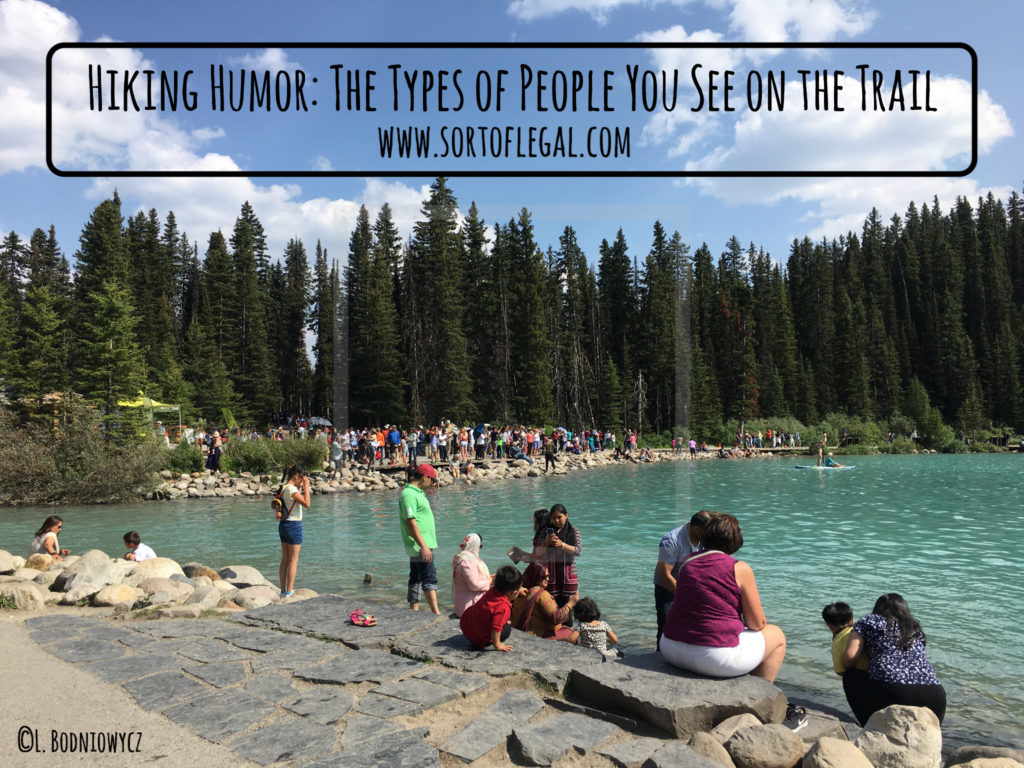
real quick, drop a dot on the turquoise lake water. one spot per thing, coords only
(944, 531)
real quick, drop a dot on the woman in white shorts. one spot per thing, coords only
(716, 626)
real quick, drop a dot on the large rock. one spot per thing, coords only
(6, 561)
(25, 596)
(965, 755)
(39, 561)
(158, 584)
(26, 574)
(992, 762)
(205, 597)
(193, 570)
(725, 729)
(114, 594)
(244, 576)
(902, 737)
(705, 744)
(92, 563)
(157, 567)
(765, 746)
(834, 753)
(46, 578)
(256, 597)
(675, 701)
(92, 572)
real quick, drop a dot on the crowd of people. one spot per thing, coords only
(709, 613)
(710, 619)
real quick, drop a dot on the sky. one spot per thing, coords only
(769, 212)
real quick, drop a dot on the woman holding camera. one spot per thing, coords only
(296, 495)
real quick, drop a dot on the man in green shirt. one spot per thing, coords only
(417, 524)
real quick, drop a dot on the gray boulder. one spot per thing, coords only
(175, 591)
(205, 597)
(706, 745)
(156, 567)
(828, 752)
(46, 578)
(6, 561)
(243, 576)
(255, 597)
(675, 754)
(725, 729)
(93, 572)
(26, 596)
(902, 737)
(675, 701)
(765, 746)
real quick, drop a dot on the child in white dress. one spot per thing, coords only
(590, 632)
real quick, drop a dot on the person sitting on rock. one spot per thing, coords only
(486, 622)
(716, 625)
(536, 611)
(137, 551)
(470, 577)
(590, 631)
(45, 540)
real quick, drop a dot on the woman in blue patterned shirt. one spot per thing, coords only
(898, 669)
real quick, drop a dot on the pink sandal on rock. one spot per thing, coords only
(361, 618)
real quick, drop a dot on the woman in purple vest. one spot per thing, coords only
(716, 626)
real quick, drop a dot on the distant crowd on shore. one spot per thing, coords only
(443, 443)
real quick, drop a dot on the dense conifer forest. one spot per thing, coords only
(916, 319)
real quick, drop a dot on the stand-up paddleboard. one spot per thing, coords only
(811, 466)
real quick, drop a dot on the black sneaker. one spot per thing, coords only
(796, 717)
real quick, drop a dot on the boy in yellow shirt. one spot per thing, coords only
(839, 618)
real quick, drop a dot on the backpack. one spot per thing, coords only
(277, 504)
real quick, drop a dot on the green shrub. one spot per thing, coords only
(67, 460)
(899, 445)
(270, 457)
(184, 459)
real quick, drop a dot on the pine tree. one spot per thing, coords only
(358, 282)
(43, 354)
(610, 413)
(434, 259)
(112, 367)
(247, 349)
(385, 380)
(102, 258)
(533, 402)
(322, 324)
(294, 366)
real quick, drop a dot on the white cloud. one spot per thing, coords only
(27, 31)
(531, 10)
(268, 59)
(322, 163)
(84, 139)
(752, 20)
(800, 20)
(855, 140)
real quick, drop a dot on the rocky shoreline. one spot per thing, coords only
(302, 670)
(206, 484)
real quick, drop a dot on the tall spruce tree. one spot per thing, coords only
(294, 362)
(533, 402)
(434, 261)
(247, 349)
(322, 324)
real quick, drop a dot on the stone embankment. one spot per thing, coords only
(159, 586)
(295, 683)
(207, 484)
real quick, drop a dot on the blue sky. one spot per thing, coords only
(769, 212)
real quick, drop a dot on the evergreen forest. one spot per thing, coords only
(919, 318)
